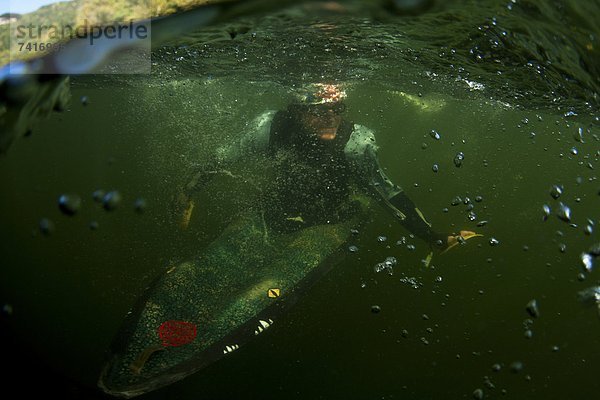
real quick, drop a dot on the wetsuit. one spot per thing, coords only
(315, 176)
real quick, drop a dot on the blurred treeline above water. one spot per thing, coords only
(86, 13)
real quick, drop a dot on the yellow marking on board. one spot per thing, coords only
(296, 219)
(258, 291)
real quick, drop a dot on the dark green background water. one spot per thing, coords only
(142, 136)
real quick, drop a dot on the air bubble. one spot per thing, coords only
(98, 195)
(46, 226)
(564, 212)
(532, 308)
(391, 261)
(516, 367)
(556, 191)
(69, 204)
(578, 135)
(139, 205)
(546, 210)
(562, 247)
(488, 383)
(111, 200)
(588, 261)
(458, 159)
(7, 310)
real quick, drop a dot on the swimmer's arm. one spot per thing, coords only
(362, 150)
(254, 141)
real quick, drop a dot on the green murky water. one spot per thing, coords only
(440, 330)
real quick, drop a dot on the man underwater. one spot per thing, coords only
(321, 155)
(324, 175)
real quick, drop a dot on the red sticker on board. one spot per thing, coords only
(176, 333)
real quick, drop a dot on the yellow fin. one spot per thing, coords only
(422, 217)
(465, 235)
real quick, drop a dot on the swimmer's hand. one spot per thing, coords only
(182, 207)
